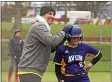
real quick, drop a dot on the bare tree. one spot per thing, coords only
(17, 22)
(93, 6)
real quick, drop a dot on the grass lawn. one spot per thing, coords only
(106, 50)
(88, 30)
(49, 75)
(94, 77)
(99, 73)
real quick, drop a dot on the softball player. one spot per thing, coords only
(15, 50)
(69, 58)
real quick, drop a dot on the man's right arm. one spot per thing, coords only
(53, 49)
(43, 34)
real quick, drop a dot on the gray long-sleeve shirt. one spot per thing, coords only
(15, 46)
(37, 48)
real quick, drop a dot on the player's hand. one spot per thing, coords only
(61, 81)
(88, 67)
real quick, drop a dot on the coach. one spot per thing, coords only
(37, 46)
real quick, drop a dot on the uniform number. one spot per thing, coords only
(80, 64)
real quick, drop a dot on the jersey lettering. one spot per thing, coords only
(78, 57)
(74, 58)
(71, 59)
(80, 64)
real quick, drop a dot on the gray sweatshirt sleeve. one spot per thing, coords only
(11, 47)
(43, 34)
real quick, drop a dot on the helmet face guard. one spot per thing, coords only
(74, 32)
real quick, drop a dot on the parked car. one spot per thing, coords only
(82, 21)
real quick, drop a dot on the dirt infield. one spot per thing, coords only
(104, 39)
(91, 39)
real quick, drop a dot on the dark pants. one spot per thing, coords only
(13, 62)
(29, 78)
(81, 78)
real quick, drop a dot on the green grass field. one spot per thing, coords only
(88, 30)
(49, 75)
(106, 50)
(99, 73)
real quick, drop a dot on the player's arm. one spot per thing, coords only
(96, 58)
(93, 61)
(58, 72)
(57, 61)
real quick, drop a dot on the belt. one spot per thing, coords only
(75, 74)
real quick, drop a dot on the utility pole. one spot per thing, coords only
(65, 16)
(50, 3)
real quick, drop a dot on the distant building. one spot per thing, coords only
(72, 13)
(59, 6)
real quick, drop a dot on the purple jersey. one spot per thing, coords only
(72, 59)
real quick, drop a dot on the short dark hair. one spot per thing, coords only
(16, 31)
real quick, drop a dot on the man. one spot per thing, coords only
(70, 57)
(37, 46)
(15, 51)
